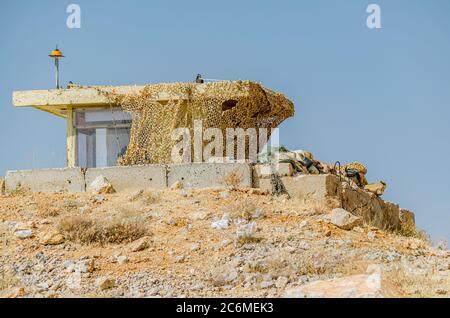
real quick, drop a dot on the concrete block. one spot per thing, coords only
(131, 177)
(307, 188)
(205, 175)
(321, 188)
(266, 170)
(46, 180)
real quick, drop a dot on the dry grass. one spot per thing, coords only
(150, 198)
(243, 209)
(248, 240)
(48, 207)
(233, 179)
(7, 280)
(48, 211)
(419, 286)
(319, 209)
(318, 263)
(84, 230)
(409, 230)
(19, 190)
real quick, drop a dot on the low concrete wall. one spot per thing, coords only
(46, 180)
(131, 177)
(324, 189)
(307, 188)
(205, 175)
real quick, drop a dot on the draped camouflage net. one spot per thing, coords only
(158, 109)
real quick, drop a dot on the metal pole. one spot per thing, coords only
(57, 72)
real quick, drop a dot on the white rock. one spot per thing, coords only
(221, 224)
(51, 238)
(122, 259)
(180, 259)
(344, 219)
(259, 213)
(266, 284)
(86, 266)
(199, 215)
(195, 247)
(303, 245)
(246, 230)
(303, 224)
(23, 234)
(371, 236)
(100, 185)
(281, 282)
(374, 269)
(356, 286)
(140, 244)
(224, 195)
(224, 275)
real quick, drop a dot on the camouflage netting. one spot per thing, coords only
(160, 108)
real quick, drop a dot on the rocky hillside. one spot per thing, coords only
(205, 243)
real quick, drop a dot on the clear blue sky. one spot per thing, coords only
(381, 97)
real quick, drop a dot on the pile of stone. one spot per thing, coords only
(303, 162)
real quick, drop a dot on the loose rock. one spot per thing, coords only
(344, 219)
(104, 283)
(24, 234)
(356, 286)
(51, 238)
(101, 185)
(140, 244)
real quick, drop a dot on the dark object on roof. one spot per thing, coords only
(199, 79)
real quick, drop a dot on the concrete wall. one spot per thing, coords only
(46, 180)
(306, 188)
(132, 177)
(204, 175)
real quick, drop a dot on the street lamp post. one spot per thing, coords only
(56, 54)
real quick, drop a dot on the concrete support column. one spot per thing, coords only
(71, 139)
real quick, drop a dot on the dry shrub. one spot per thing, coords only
(48, 210)
(52, 206)
(420, 285)
(7, 280)
(70, 204)
(409, 229)
(18, 190)
(257, 267)
(83, 230)
(313, 263)
(150, 198)
(233, 179)
(319, 209)
(243, 209)
(180, 222)
(248, 239)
